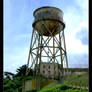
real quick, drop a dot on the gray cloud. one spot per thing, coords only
(78, 60)
(83, 36)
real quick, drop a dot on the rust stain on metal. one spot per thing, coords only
(51, 16)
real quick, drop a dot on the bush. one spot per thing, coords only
(77, 80)
(62, 88)
(12, 85)
(32, 91)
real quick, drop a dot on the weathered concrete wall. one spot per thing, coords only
(31, 84)
(75, 71)
(28, 85)
(49, 70)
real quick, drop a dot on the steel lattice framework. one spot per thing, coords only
(47, 42)
(51, 49)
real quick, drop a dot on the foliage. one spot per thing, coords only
(62, 88)
(77, 80)
(22, 71)
(32, 91)
(8, 75)
(12, 85)
(27, 77)
(15, 84)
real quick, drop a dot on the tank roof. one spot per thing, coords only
(45, 8)
(50, 17)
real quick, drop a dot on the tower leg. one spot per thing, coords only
(49, 50)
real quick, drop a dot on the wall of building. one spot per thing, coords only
(29, 85)
(49, 70)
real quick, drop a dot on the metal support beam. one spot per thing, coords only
(50, 48)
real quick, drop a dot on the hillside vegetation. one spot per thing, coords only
(81, 80)
(61, 88)
(70, 83)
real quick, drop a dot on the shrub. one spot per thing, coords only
(62, 88)
(32, 91)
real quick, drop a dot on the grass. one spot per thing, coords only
(61, 88)
(51, 86)
(77, 80)
(68, 82)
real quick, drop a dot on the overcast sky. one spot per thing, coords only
(18, 19)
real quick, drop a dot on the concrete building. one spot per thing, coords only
(50, 70)
(77, 70)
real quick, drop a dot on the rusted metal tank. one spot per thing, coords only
(48, 21)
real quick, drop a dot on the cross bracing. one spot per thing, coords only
(49, 49)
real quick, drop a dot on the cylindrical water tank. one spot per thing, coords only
(48, 21)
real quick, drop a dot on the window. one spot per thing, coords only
(55, 72)
(43, 71)
(49, 67)
(48, 72)
(43, 66)
(54, 67)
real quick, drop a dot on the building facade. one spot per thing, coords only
(50, 70)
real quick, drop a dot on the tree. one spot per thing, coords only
(22, 71)
(8, 75)
(15, 84)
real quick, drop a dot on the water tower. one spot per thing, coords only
(48, 40)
